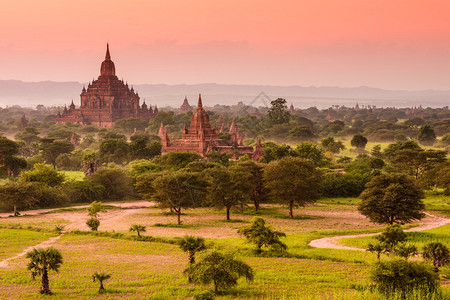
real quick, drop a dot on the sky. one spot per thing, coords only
(392, 44)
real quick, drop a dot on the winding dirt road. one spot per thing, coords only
(76, 222)
(333, 242)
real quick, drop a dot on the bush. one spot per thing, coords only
(116, 183)
(84, 191)
(51, 197)
(93, 224)
(405, 278)
(343, 185)
(44, 174)
(205, 295)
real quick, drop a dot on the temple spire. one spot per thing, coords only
(199, 104)
(107, 56)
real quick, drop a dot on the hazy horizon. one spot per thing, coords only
(395, 45)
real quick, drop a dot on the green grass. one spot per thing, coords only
(14, 241)
(440, 234)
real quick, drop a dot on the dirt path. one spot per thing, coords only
(77, 221)
(33, 212)
(333, 242)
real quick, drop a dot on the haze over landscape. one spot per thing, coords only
(394, 45)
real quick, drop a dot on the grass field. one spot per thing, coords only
(153, 269)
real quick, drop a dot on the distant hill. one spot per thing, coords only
(49, 93)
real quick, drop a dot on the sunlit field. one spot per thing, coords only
(152, 268)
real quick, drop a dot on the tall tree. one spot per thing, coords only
(51, 149)
(293, 181)
(278, 113)
(392, 198)
(192, 245)
(228, 187)
(256, 180)
(14, 195)
(359, 141)
(426, 135)
(417, 161)
(179, 190)
(41, 262)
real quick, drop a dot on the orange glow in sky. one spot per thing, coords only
(398, 44)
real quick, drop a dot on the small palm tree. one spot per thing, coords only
(405, 250)
(438, 253)
(377, 249)
(192, 245)
(138, 228)
(41, 262)
(100, 277)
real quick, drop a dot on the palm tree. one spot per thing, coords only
(223, 270)
(438, 253)
(376, 248)
(138, 228)
(192, 245)
(100, 277)
(42, 261)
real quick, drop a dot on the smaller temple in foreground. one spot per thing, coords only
(202, 139)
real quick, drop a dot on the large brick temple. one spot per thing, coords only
(106, 100)
(202, 139)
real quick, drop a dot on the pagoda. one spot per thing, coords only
(185, 107)
(106, 100)
(202, 139)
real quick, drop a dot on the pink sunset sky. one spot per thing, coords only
(394, 44)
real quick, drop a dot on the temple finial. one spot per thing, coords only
(199, 104)
(107, 56)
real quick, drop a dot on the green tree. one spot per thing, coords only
(176, 160)
(14, 195)
(261, 235)
(43, 174)
(390, 198)
(401, 277)
(293, 181)
(278, 113)
(392, 149)
(310, 151)
(138, 228)
(179, 190)
(41, 262)
(51, 149)
(28, 135)
(256, 181)
(228, 187)
(192, 245)
(116, 183)
(391, 236)
(84, 191)
(100, 277)
(93, 211)
(114, 150)
(223, 270)
(417, 161)
(329, 144)
(437, 253)
(358, 141)
(426, 135)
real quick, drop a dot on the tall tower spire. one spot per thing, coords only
(107, 56)
(199, 104)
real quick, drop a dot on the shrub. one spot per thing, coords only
(117, 184)
(93, 223)
(44, 174)
(84, 191)
(404, 278)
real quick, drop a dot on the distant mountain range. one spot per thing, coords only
(49, 93)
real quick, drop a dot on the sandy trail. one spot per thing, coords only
(79, 220)
(333, 242)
